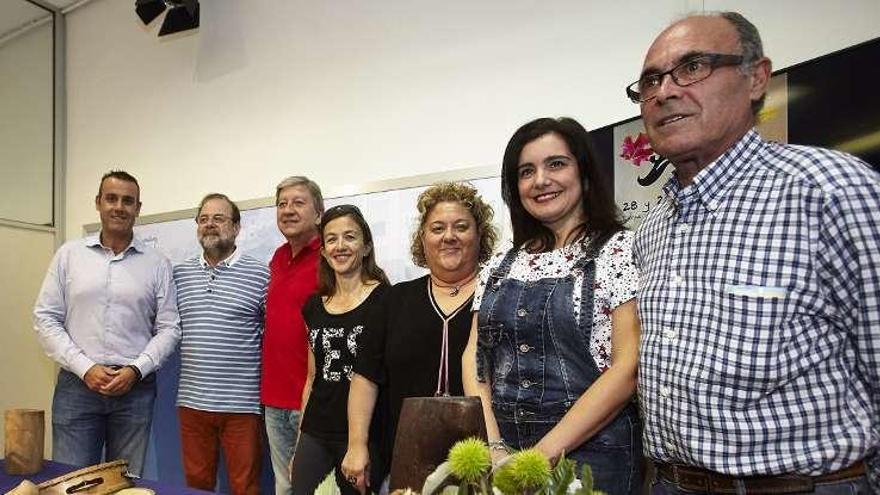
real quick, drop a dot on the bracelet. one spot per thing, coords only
(499, 445)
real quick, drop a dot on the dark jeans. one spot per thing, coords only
(854, 486)
(614, 454)
(84, 423)
(315, 458)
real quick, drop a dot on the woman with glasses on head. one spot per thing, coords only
(554, 346)
(349, 302)
(428, 321)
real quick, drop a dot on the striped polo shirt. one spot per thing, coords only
(221, 313)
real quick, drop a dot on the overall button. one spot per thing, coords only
(521, 312)
(524, 348)
(526, 383)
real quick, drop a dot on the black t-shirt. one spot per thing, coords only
(405, 358)
(336, 340)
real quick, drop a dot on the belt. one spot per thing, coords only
(703, 480)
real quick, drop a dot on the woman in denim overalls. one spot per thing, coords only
(554, 349)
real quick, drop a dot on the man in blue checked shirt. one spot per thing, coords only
(760, 305)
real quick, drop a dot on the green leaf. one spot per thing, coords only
(561, 477)
(587, 478)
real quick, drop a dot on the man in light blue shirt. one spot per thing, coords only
(107, 314)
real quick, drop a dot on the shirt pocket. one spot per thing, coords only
(744, 337)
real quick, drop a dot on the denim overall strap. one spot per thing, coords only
(572, 336)
(588, 267)
(485, 340)
(504, 267)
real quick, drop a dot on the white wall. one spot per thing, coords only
(797, 30)
(26, 126)
(27, 376)
(354, 91)
(346, 92)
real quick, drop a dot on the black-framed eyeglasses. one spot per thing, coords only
(691, 71)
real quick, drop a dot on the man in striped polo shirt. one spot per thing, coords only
(221, 298)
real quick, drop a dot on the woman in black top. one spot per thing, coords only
(426, 323)
(350, 297)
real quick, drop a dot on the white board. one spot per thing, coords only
(391, 214)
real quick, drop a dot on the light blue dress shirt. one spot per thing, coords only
(98, 307)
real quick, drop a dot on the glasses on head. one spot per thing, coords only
(691, 71)
(344, 209)
(338, 211)
(215, 219)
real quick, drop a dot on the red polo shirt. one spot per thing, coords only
(285, 348)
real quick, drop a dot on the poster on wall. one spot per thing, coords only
(640, 173)
(830, 102)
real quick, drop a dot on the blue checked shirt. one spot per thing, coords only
(760, 309)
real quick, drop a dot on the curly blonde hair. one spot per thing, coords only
(466, 195)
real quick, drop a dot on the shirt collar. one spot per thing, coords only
(313, 245)
(711, 183)
(94, 240)
(228, 262)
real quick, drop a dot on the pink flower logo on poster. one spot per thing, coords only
(636, 150)
(639, 150)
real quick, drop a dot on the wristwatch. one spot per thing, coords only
(137, 372)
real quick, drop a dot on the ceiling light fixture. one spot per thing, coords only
(182, 14)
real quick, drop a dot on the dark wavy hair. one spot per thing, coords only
(370, 270)
(601, 213)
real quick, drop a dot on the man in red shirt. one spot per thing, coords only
(293, 278)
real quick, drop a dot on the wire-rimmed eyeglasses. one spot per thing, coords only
(217, 219)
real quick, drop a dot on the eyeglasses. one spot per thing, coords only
(215, 219)
(691, 71)
(343, 210)
(340, 211)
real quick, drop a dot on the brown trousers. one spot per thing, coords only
(240, 435)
